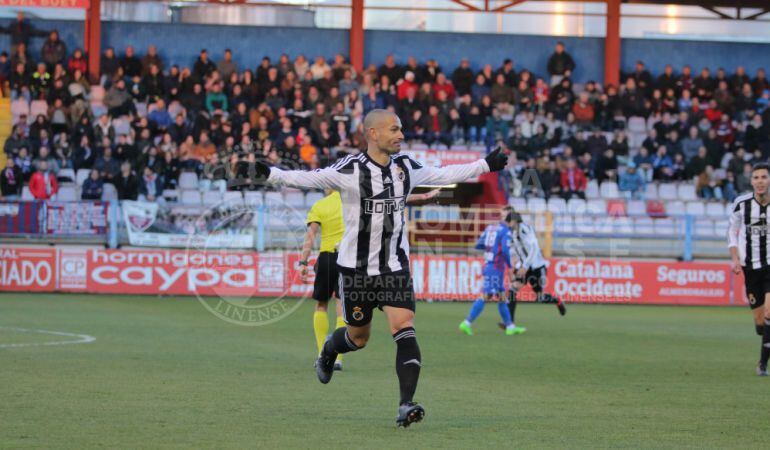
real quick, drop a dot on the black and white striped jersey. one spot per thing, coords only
(526, 248)
(374, 202)
(748, 232)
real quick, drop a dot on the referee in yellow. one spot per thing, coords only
(325, 214)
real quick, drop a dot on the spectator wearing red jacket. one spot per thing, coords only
(43, 184)
(573, 181)
(77, 62)
(442, 84)
(406, 84)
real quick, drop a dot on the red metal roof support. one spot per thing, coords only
(612, 44)
(357, 35)
(93, 37)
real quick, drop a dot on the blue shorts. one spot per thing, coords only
(494, 282)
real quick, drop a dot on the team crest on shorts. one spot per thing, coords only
(357, 313)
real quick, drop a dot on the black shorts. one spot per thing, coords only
(535, 278)
(757, 285)
(326, 277)
(360, 294)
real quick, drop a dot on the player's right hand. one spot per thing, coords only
(737, 269)
(496, 160)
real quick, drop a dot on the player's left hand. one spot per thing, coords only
(303, 273)
(497, 160)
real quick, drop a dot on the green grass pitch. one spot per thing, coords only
(166, 373)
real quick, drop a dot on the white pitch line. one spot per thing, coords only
(82, 338)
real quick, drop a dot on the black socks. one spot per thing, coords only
(408, 362)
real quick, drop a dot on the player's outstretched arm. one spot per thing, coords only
(456, 173)
(328, 178)
(733, 230)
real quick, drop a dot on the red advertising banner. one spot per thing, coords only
(436, 277)
(46, 3)
(28, 270)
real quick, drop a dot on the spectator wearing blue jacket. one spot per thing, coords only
(93, 186)
(632, 183)
(662, 164)
(643, 162)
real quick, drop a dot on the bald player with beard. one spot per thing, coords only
(373, 257)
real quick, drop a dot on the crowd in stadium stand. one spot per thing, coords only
(144, 122)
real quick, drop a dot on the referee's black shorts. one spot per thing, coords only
(360, 294)
(757, 285)
(326, 277)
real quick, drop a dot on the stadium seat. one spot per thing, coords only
(26, 194)
(81, 176)
(67, 193)
(188, 180)
(720, 227)
(171, 195)
(253, 198)
(717, 210)
(592, 189)
(294, 199)
(637, 124)
(273, 198)
(36, 108)
(519, 204)
(584, 225)
(121, 126)
(636, 208)
(696, 208)
(98, 109)
(312, 197)
(675, 208)
(66, 174)
(576, 206)
(651, 191)
(536, 205)
(109, 192)
(667, 191)
(190, 197)
(622, 225)
(704, 228)
(557, 205)
(668, 227)
(644, 226)
(211, 198)
(596, 207)
(563, 224)
(141, 109)
(687, 191)
(97, 93)
(609, 190)
(19, 107)
(603, 225)
(233, 197)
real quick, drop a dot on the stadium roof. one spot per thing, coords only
(737, 5)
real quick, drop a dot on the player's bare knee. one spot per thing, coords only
(322, 306)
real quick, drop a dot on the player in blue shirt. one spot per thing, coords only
(495, 241)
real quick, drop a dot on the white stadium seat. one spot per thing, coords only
(519, 204)
(67, 194)
(687, 191)
(609, 190)
(576, 206)
(188, 180)
(81, 176)
(294, 199)
(592, 189)
(651, 191)
(696, 208)
(233, 197)
(253, 198)
(596, 206)
(644, 226)
(675, 208)
(557, 205)
(190, 197)
(717, 210)
(636, 208)
(109, 192)
(211, 198)
(312, 197)
(536, 205)
(563, 224)
(667, 191)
